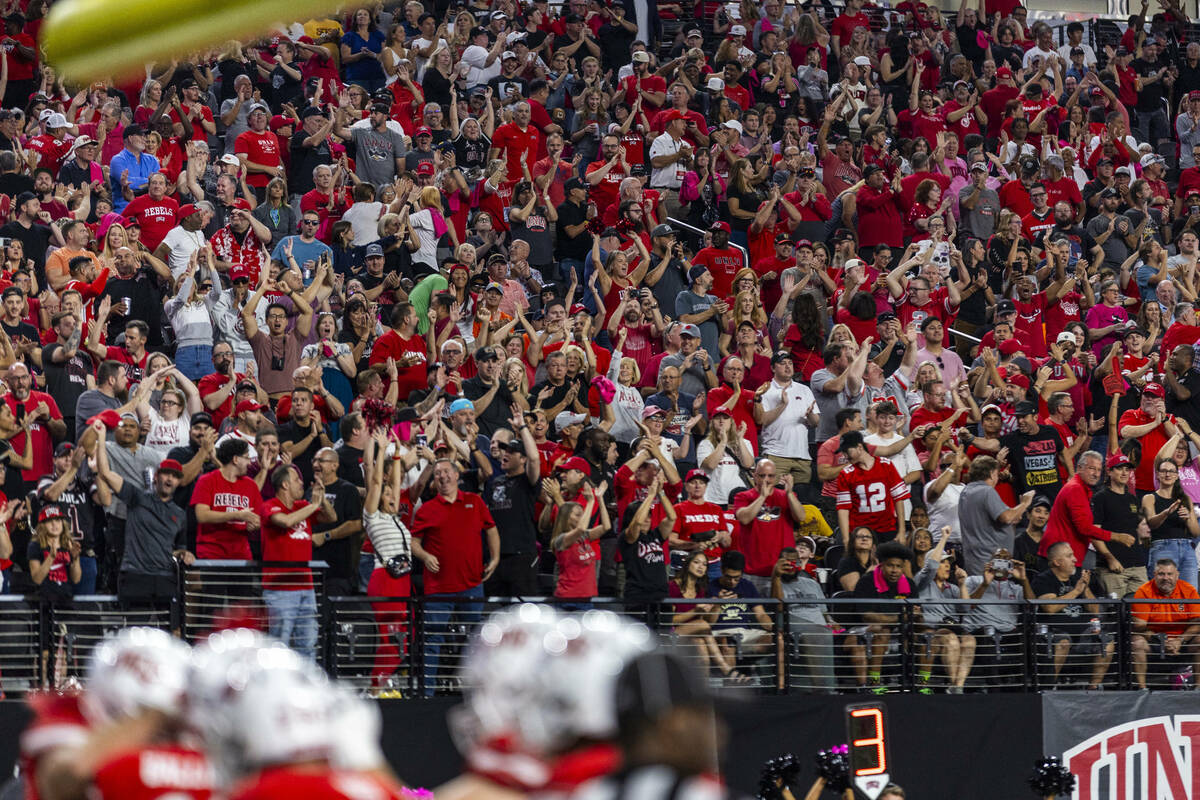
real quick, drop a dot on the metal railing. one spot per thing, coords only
(414, 646)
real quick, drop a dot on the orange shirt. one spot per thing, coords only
(1165, 616)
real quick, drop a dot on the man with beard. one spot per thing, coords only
(337, 542)
(154, 211)
(793, 584)
(111, 391)
(304, 433)
(217, 389)
(767, 515)
(723, 262)
(72, 486)
(241, 242)
(41, 420)
(511, 495)
(699, 525)
(226, 503)
(1183, 385)
(490, 394)
(1035, 452)
(135, 285)
(68, 368)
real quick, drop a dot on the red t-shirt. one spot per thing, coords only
(453, 533)
(871, 495)
(156, 217)
(768, 533)
(286, 544)
(1064, 190)
(391, 344)
(228, 539)
(133, 369)
(844, 24)
(604, 193)
(212, 383)
(650, 83)
(1152, 442)
(723, 264)
(43, 446)
(260, 147)
(692, 518)
(198, 132)
(510, 140)
(51, 151)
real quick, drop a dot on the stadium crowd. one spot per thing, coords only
(399, 290)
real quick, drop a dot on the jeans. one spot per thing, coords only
(439, 620)
(87, 580)
(366, 565)
(293, 619)
(194, 361)
(1178, 550)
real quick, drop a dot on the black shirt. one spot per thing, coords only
(511, 499)
(1073, 617)
(142, 290)
(350, 467)
(1034, 461)
(1120, 513)
(304, 160)
(1149, 95)
(340, 554)
(1189, 409)
(22, 330)
(645, 567)
(183, 495)
(498, 412)
(35, 239)
(291, 432)
(565, 245)
(66, 381)
(1025, 550)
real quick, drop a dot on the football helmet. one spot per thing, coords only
(136, 669)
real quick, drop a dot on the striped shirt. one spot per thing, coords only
(389, 536)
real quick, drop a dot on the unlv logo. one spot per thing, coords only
(1149, 759)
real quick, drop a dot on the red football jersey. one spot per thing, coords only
(290, 783)
(57, 722)
(159, 771)
(871, 494)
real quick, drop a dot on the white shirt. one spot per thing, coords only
(943, 512)
(787, 436)
(905, 461)
(726, 476)
(182, 244)
(1089, 55)
(364, 222)
(166, 434)
(475, 57)
(1036, 52)
(670, 176)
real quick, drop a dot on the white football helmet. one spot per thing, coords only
(136, 669)
(356, 731)
(541, 680)
(255, 702)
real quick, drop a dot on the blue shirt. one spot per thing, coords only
(736, 615)
(368, 68)
(140, 169)
(302, 251)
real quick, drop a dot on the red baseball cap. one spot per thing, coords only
(248, 405)
(239, 272)
(1020, 380)
(1118, 459)
(1154, 390)
(575, 462)
(425, 168)
(279, 121)
(696, 473)
(423, 131)
(1004, 72)
(186, 211)
(51, 512)
(720, 226)
(171, 465)
(456, 267)
(109, 417)
(1008, 347)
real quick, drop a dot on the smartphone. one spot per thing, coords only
(422, 440)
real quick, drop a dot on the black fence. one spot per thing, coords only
(414, 646)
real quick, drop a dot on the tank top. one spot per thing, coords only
(1173, 527)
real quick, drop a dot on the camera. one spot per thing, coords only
(398, 566)
(1002, 565)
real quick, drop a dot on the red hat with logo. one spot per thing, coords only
(239, 272)
(51, 512)
(109, 417)
(575, 462)
(171, 465)
(425, 168)
(186, 211)
(1118, 459)
(248, 405)
(1154, 390)
(1009, 347)
(696, 473)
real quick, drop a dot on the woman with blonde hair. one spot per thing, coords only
(627, 402)
(515, 375)
(426, 226)
(747, 307)
(591, 123)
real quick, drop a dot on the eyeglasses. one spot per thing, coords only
(1168, 471)
(166, 402)
(311, 221)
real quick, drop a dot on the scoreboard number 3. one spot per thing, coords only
(866, 733)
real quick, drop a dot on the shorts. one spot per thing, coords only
(744, 636)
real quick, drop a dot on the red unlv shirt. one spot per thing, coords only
(228, 539)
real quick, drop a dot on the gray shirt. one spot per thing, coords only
(691, 380)
(688, 302)
(89, 404)
(130, 465)
(376, 154)
(155, 529)
(1116, 250)
(1001, 617)
(238, 126)
(804, 588)
(979, 510)
(979, 221)
(829, 403)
